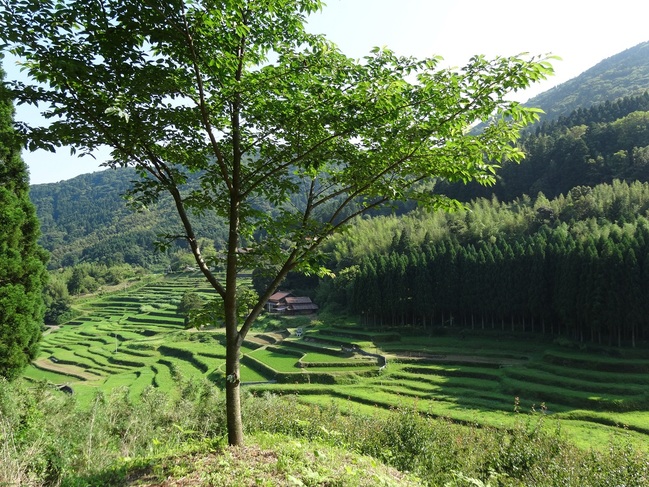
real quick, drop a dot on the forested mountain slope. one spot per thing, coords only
(589, 146)
(624, 74)
(576, 265)
(580, 143)
(86, 219)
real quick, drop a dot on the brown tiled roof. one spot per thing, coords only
(298, 300)
(278, 296)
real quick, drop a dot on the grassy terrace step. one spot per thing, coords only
(281, 362)
(361, 335)
(332, 341)
(200, 363)
(441, 381)
(117, 302)
(73, 360)
(163, 376)
(38, 372)
(129, 380)
(97, 340)
(172, 314)
(544, 377)
(323, 361)
(464, 395)
(593, 376)
(466, 355)
(144, 379)
(183, 367)
(150, 329)
(145, 319)
(258, 367)
(388, 399)
(63, 342)
(249, 375)
(479, 340)
(123, 301)
(138, 352)
(576, 399)
(601, 364)
(340, 374)
(118, 358)
(99, 361)
(317, 347)
(628, 421)
(487, 373)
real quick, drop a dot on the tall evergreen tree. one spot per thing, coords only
(22, 260)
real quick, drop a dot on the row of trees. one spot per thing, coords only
(564, 266)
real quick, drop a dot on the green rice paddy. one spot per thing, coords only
(135, 338)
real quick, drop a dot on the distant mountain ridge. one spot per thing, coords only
(623, 74)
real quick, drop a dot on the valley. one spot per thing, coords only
(135, 338)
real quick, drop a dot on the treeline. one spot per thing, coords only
(87, 220)
(576, 266)
(588, 147)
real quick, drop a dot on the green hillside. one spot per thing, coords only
(136, 339)
(595, 132)
(621, 75)
(88, 219)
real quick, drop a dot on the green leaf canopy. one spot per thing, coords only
(239, 94)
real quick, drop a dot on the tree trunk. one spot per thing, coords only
(232, 394)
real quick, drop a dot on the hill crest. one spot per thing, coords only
(623, 74)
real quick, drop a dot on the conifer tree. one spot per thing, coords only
(22, 260)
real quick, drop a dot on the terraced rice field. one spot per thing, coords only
(486, 381)
(133, 338)
(136, 339)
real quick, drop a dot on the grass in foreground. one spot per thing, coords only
(267, 460)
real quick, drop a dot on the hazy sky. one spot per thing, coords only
(582, 33)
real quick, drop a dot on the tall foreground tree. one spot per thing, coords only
(237, 93)
(22, 260)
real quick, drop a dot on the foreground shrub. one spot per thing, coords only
(48, 440)
(442, 453)
(46, 437)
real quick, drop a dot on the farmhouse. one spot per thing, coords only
(285, 303)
